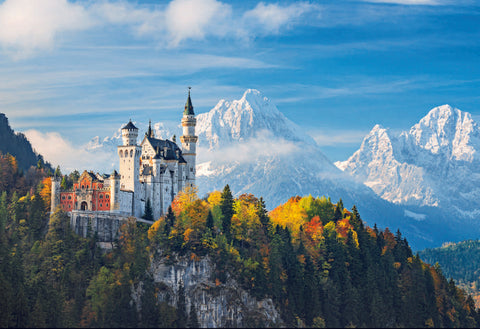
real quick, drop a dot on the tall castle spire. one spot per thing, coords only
(189, 140)
(188, 105)
(150, 132)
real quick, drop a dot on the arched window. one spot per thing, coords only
(131, 153)
(101, 196)
(121, 154)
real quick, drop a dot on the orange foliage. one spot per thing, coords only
(184, 198)
(314, 229)
(390, 241)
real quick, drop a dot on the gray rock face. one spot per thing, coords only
(217, 305)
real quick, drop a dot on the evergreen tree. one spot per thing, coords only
(264, 219)
(148, 215)
(226, 206)
(338, 214)
(64, 183)
(149, 314)
(169, 221)
(209, 224)
(181, 321)
(192, 318)
(57, 172)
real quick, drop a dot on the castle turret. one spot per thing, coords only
(114, 191)
(55, 198)
(129, 154)
(189, 140)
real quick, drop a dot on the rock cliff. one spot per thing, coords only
(217, 304)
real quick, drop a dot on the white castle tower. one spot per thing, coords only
(189, 141)
(55, 196)
(129, 154)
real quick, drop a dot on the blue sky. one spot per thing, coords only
(72, 70)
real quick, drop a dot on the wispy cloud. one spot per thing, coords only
(30, 25)
(337, 137)
(264, 144)
(272, 18)
(60, 151)
(409, 2)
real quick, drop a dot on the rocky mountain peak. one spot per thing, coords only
(448, 131)
(243, 119)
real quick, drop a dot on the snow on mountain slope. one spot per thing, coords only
(250, 145)
(436, 163)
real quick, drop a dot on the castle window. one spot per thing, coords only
(101, 196)
(63, 197)
(69, 197)
(107, 204)
(131, 153)
(121, 154)
(107, 196)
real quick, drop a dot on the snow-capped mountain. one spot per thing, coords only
(250, 145)
(436, 163)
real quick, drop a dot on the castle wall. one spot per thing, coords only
(125, 201)
(106, 225)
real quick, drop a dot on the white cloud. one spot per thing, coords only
(59, 151)
(264, 144)
(27, 26)
(332, 138)
(408, 2)
(194, 19)
(271, 18)
(30, 25)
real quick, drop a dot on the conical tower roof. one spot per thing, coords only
(130, 125)
(188, 105)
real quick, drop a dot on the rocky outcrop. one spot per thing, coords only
(217, 304)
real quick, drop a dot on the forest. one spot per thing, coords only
(459, 261)
(321, 265)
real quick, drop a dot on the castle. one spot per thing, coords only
(154, 171)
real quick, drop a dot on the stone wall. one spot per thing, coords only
(106, 225)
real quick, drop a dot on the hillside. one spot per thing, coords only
(18, 145)
(219, 262)
(459, 261)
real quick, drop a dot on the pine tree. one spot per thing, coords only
(148, 215)
(209, 224)
(150, 315)
(226, 206)
(264, 219)
(64, 183)
(58, 173)
(169, 221)
(338, 214)
(192, 318)
(181, 307)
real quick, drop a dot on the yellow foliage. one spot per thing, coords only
(184, 198)
(187, 234)
(46, 191)
(152, 231)
(214, 198)
(290, 214)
